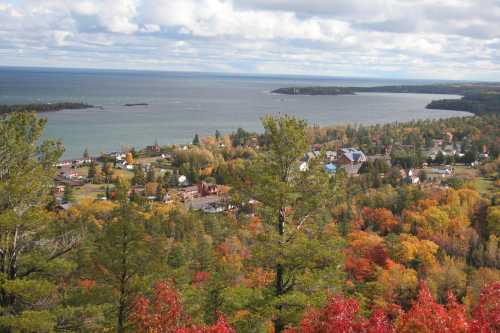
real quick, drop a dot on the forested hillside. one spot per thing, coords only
(300, 250)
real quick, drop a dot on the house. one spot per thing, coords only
(64, 163)
(410, 177)
(214, 208)
(167, 156)
(189, 193)
(205, 189)
(154, 148)
(59, 189)
(253, 143)
(446, 171)
(117, 156)
(182, 181)
(80, 162)
(351, 160)
(484, 156)
(331, 155)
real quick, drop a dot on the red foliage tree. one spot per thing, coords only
(164, 314)
(427, 316)
(486, 314)
(341, 315)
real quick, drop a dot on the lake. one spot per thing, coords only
(182, 104)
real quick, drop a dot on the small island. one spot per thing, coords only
(476, 98)
(136, 104)
(43, 107)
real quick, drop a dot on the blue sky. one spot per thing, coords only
(445, 39)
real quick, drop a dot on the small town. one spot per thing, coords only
(192, 174)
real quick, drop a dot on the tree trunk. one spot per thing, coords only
(122, 307)
(279, 325)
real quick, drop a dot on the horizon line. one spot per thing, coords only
(248, 74)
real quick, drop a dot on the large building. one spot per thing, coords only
(351, 160)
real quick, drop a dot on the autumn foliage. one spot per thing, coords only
(342, 315)
(164, 314)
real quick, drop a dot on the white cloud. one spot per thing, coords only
(342, 37)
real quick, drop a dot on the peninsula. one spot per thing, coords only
(43, 107)
(476, 97)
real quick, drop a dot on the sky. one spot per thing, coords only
(434, 39)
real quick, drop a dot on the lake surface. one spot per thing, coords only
(182, 104)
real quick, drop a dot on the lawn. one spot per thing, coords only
(90, 191)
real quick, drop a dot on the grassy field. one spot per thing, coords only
(89, 191)
(482, 184)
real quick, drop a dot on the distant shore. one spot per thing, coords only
(476, 98)
(43, 107)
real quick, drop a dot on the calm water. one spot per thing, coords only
(182, 104)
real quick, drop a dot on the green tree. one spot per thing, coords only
(107, 170)
(292, 201)
(493, 220)
(196, 140)
(121, 254)
(69, 195)
(218, 136)
(150, 175)
(86, 154)
(139, 176)
(92, 173)
(33, 248)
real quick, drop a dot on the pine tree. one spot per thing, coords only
(92, 171)
(86, 154)
(121, 254)
(69, 195)
(33, 249)
(196, 140)
(150, 176)
(139, 177)
(290, 199)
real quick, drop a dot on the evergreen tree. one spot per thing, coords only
(218, 136)
(33, 247)
(196, 140)
(86, 154)
(92, 171)
(150, 175)
(107, 171)
(288, 207)
(69, 195)
(139, 177)
(121, 254)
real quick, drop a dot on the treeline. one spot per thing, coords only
(43, 107)
(315, 91)
(477, 98)
(474, 103)
(451, 89)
